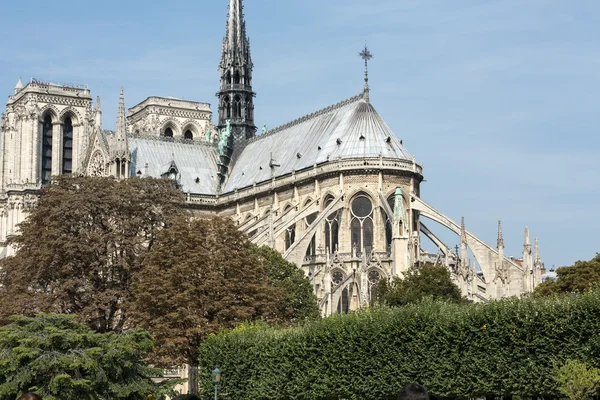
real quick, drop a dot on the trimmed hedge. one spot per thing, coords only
(503, 348)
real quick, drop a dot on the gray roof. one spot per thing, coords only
(350, 129)
(193, 161)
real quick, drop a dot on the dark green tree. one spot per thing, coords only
(419, 282)
(299, 302)
(582, 276)
(200, 278)
(62, 359)
(82, 244)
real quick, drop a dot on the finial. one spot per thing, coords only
(527, 241)
(19, 85)
(537, 251)
(500, 238)
(366, 55)
(463, 231)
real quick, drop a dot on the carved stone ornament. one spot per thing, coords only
(96, 165)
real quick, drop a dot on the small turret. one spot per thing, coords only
(98, 117)
(19, 86)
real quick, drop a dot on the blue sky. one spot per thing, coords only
(498, 99)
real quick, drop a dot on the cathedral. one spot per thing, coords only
(334, 191)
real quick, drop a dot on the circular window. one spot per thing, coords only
(338, 277)
(361, 207)
(374, 276)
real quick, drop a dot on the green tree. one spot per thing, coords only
(80, 247)
(419, 282)
(582, 276)
(60, 358)
(299, 302)
(577, 381)
(200, 277)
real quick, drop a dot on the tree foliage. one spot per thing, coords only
(578, 278)
(201, 277)
(501, 349)
(576, 380)
(62, 359)
(80, 247)
(298, 302)
(419, 282)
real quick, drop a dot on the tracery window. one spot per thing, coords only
(388, 225)
(227, 106)
(332, 227)
(67, 153)
(312, 247)
(169, 132)
(47, 149)
(237, 107)
(361, 225)
(373, 276)
(344, 302)
(337, 277)
(188, 135)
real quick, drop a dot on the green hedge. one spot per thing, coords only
(503, 348)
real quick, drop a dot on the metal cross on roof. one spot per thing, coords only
(366, 55)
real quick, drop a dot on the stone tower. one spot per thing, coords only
(236, 98)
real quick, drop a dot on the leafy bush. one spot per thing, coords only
(505, 348)
(59, 358)
(576, 380)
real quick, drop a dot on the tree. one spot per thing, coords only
(201, 277)
(576, 380)
(80, 247)
(299, 301)
(60, 358)
(578, 278)
(419, 282)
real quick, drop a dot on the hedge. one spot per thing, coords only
(504, 348)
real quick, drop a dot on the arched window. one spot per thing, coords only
(388, 225)
(236, 78)
(67, 148)
(373, 276)
(344, 303)
(237, 107)
(47, 149)
(312, 247)
(228, 78)
(188, 135)
(169, 132)
(290, 233)
(227, 106)
(332, 228)
(361, 225)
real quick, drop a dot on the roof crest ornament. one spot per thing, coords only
(367, 56)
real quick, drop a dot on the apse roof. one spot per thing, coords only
(350, 129)
(196, 163)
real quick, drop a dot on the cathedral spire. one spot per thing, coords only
(500, 237)
(121, 146)
(236, 98)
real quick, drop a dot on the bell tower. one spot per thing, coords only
(236, 98)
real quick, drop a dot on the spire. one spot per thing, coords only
(236, 98)
(463, 231)
(236, 45)
(366, 55)
(538, 260)
(19, 86)
(98, 113)
(500, 238)
(121, 146)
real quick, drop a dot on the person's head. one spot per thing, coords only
(413, 391)
(30, 396)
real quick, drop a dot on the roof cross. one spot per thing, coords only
(366, 55)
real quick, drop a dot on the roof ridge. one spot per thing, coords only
(307, 117)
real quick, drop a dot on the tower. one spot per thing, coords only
(120, 149)
(236, 98)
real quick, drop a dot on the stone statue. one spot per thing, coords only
(207, 133)
(225, 138)
(264, 129)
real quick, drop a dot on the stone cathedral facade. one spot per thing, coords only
(334, 191)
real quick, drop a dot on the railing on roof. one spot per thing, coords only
(310, 173)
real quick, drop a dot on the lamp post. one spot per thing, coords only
(216, 375)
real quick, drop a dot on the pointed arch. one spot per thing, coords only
(50, 110)
(72, 113)
(170, 128)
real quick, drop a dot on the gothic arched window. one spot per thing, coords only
(344, 303)
(47, 149)
(228, 78)
(290, 234)
(236, 78)
(169, 132)
(312, 247)
(188, 135)
(388, 225)
(67, 148)
(332, 228)
(361, 226)
(227, 106)
(237, 107)
(373, 276)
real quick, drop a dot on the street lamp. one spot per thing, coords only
(216, 375)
